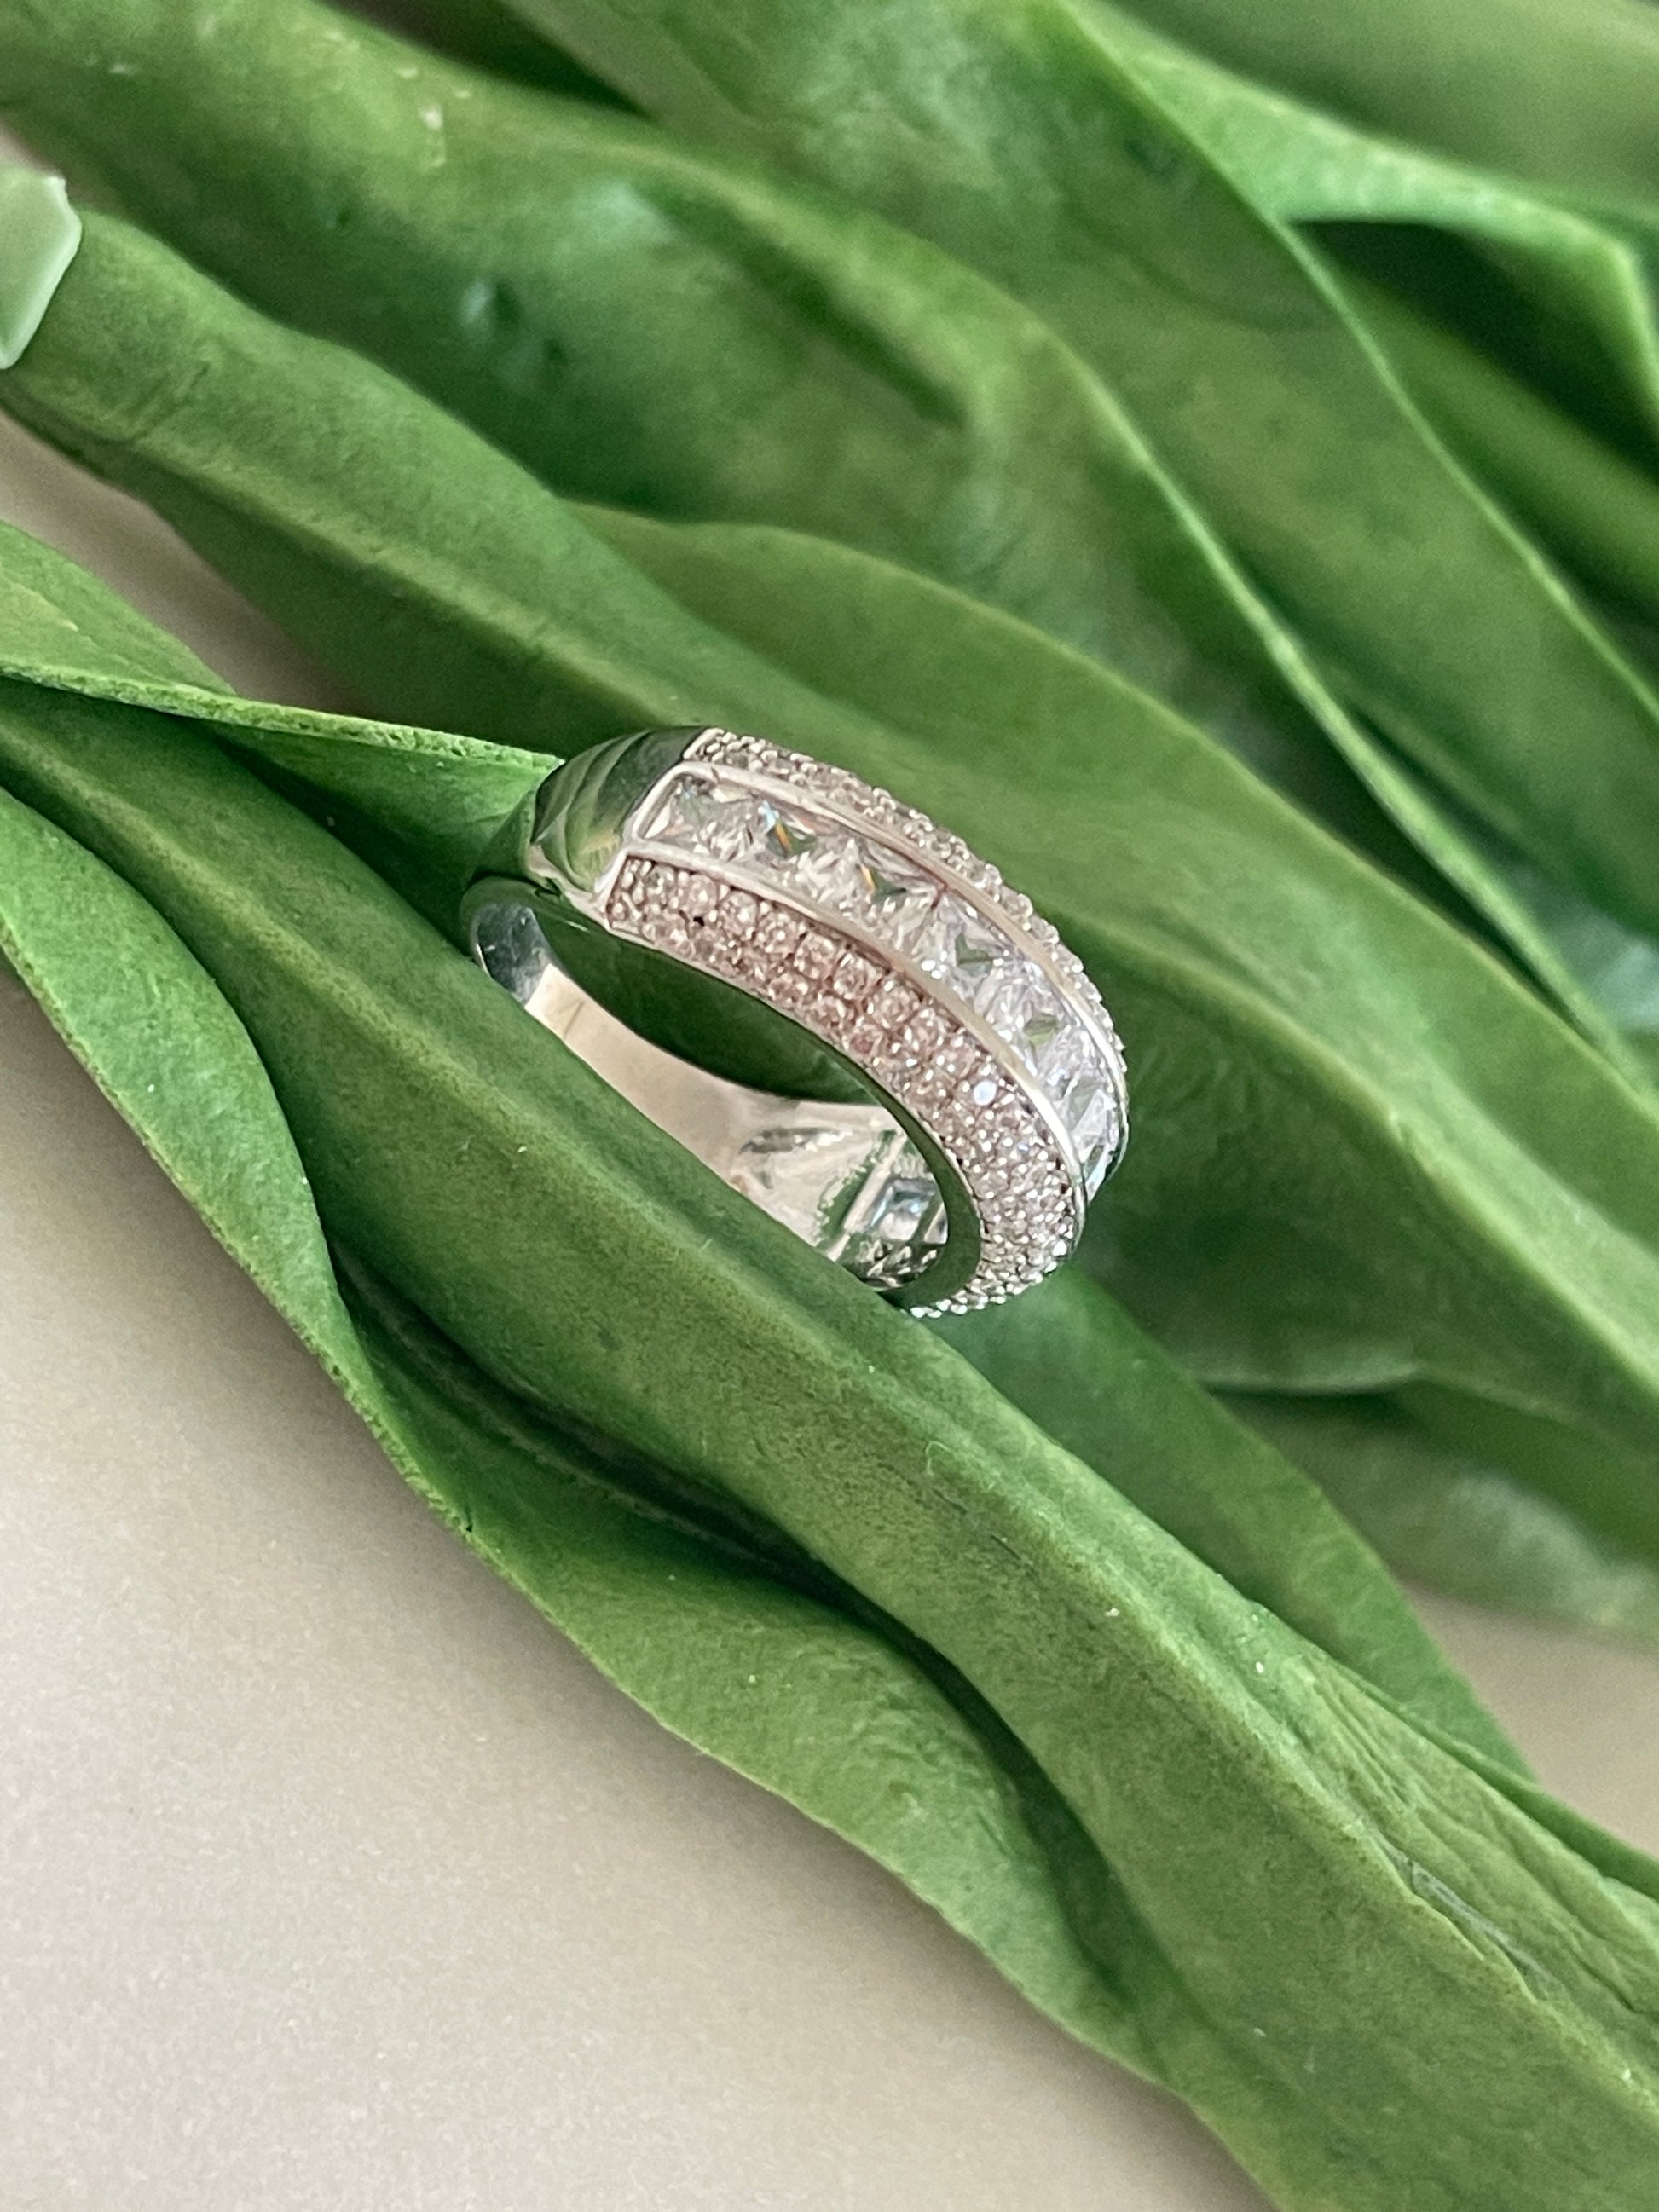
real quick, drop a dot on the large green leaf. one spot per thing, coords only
(1249, 1838)
(660, 328)
(1365, 1156)
(1581, 284)
(425, 829)
(421, 803)
(754, 1655)
(1566, 95)
(1021, 140)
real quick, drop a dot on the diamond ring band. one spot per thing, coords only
(835, 1003)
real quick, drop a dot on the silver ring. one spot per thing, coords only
(833, 1002)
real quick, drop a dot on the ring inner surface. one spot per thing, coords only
(842, 1173)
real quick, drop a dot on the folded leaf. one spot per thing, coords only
(704, 1631)
(664, 329)
(1566, 95)
(1582, 284)
(1022, 142)
(1344, 1895)
(1342, 1100)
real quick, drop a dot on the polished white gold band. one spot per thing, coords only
(992, 1088)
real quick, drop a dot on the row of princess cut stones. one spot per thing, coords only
(826, 841)
(846, 995)
(840, 788)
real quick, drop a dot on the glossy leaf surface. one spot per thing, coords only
(1129, 1701)
(1566, 95)
(1337, 1168)
(1170, 1713)
(1426, 608)
(659, 328)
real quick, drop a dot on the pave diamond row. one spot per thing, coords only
(930, 1063)
(819, 836)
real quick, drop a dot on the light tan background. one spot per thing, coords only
(332, 1880)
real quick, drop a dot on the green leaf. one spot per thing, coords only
(1564, 95)
(1462, 1524)
(1364, 1155)
(1218, 1867)
(689, 1619)
(1021, 140)
(664, 329)
(1583, 283)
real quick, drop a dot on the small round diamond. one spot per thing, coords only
(816, 954)
(893, 1002)
(777, 933)
(856, 976)
(700, 895)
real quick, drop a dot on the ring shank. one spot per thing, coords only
(844, 1176)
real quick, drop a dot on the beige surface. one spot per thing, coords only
(333, 1879)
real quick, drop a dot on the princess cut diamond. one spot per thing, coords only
(719, 820)
(956, 944)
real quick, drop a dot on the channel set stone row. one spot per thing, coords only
(891, 941)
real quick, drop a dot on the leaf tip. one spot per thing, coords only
(39, 233)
